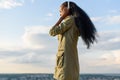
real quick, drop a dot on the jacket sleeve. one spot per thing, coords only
(61, 28)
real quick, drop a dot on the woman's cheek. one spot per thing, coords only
(60, 14)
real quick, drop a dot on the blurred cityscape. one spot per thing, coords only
(50, 77)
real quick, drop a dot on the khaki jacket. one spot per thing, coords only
(67, 61)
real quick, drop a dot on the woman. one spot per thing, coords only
(73, 23)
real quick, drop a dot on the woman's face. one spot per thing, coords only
(63, 11)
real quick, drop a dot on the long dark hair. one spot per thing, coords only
(84, 24)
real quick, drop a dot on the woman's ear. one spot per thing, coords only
(65, 12)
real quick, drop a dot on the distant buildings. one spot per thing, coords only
(50, 77)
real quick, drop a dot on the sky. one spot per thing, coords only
(27, 47)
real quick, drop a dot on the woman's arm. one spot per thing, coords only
(61, 27)
(59, 21)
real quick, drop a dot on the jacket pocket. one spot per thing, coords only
(60, 60)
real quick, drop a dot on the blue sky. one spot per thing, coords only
(26, 47)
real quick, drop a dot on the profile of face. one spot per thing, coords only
(63, 11)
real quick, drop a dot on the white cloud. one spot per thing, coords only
(117, 56)
(8, 4)
(108, 59)
(50, 14)
(113, 19)
(100, 62)
(32, 1)
(36, 51)
(34, 37)
(37, 37)
(108, 40)
(36, 59)
(38, 45)
(113, 11)
(21, 68)
(109, 20)
(102, 56)
(37, 29)
(96, 19)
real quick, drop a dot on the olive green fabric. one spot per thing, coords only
(67, 61)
